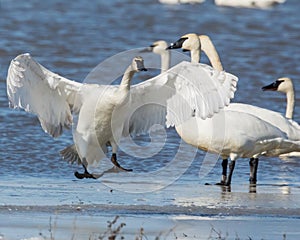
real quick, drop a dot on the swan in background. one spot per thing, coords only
(263, 4)
(160, 47)
(285, 85)
(108, 112)
(244, 128)
(181, 1)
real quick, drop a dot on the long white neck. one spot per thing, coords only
(195, 55)
(165, 61)
(290, 98)
(126, 80)
(209, 49)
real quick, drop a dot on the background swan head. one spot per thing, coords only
(187, 42)
(158, 47)
(284, 85)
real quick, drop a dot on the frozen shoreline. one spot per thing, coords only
(85, 226)
(182, 210)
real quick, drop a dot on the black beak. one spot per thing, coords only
(177, 44)
(147, 50)
(143, 69)
(273, 86)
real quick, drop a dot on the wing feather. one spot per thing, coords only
(184, 91)
(35, 89)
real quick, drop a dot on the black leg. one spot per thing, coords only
(86, 174)
(115, 162)
(224, 172)
(253, 170)
(231, 168)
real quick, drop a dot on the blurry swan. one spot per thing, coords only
(108, 112)
(160, 47)
(181, 1)
(285, 85)
(249, 3)
(252, 131)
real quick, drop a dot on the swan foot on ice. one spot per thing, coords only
(86, 174)
(115, 162)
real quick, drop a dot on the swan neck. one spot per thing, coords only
(126, 80)
(290, 97)
(209, 49)
(214, 58)
(165, 61)
(195, 56)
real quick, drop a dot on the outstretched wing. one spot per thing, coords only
(34, 88)
(184, 91)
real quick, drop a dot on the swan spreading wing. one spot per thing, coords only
(184, 91)
(34, 88)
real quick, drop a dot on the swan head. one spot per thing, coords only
(187, 42)
(158, 47)
(284, 85)
(137, 64)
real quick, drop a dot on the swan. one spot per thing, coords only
(160, 47)
(244, 127)
(108, 112)
(285, 85)
(249, 3)
(181, 1)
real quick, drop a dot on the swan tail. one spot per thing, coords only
(70, 154)
(281, 146)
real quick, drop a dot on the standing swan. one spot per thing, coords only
(108, 112)
(246, 122)
(249, 3)
(285, 85)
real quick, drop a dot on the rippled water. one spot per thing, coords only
(71, 38)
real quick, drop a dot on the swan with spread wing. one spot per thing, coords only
(240, 130)
(108, 112)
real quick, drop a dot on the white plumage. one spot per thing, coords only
(263, 4)
(106, 112)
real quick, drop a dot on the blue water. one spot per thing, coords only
(71, 38)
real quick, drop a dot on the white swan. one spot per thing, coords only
(160, 47)
(108, 112)
(285, 85)
(249, 131)
(181, 1)
(249, 3)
